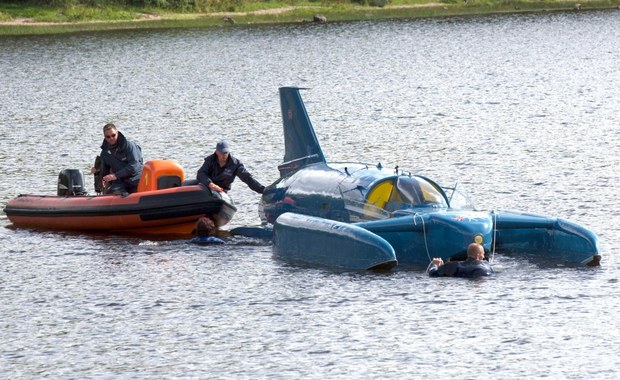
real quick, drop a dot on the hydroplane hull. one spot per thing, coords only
(323, 242)
(410, 212)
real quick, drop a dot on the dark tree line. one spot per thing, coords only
(178, 5)
(174, 5)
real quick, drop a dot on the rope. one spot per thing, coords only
(424, 232)
(428, 267)
(494, 235)
(416, 215)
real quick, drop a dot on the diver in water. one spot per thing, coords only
(474, 266)
(205, 232)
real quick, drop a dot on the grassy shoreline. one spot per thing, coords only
(15, 20)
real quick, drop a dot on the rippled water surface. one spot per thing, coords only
(523, 110)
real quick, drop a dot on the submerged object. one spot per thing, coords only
(417, 217)
(310, 240)
(162, 205)
(207, 240)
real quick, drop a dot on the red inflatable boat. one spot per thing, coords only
(162, 206)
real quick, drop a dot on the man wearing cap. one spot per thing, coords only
(220, 169)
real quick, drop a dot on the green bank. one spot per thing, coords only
(71, 16)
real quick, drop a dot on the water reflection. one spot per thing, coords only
(520, 109)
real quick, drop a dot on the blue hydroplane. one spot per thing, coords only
(360, 216)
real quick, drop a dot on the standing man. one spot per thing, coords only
(473, 266)
(121, 162)
(220, 169)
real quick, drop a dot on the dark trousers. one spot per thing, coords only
(120, 188)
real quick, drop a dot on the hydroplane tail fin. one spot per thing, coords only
(300, 143)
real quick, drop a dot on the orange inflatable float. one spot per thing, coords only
(163, 205)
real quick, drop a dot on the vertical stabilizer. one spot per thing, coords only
(300, 143)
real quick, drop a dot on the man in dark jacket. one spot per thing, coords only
(220, 169)
(121, 162)
(473, 266)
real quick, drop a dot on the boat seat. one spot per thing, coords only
(380, 194)
(160, 174)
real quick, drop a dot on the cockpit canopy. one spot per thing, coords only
(403, 192)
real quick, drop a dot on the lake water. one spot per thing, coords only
(522, 110)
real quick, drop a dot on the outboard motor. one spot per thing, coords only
(70, 183)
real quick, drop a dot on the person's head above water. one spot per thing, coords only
(205, 227)
(475, 251)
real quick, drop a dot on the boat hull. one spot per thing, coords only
(520, 233)
(168, 211)
(420, 237)
(317, 241)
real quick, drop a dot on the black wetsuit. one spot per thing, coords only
(468, 268)
(223, 176)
